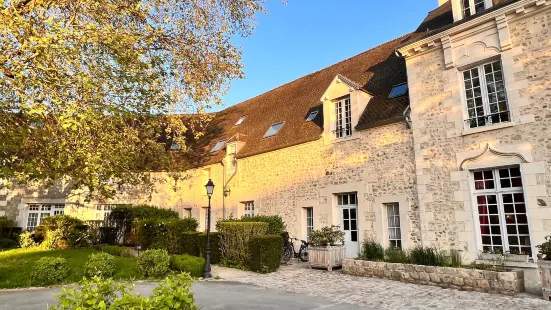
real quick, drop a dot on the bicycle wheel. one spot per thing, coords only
(303, 256)
(287, 254)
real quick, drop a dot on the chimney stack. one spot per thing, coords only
(440, 2)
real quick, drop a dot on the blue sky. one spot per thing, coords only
(305, 36)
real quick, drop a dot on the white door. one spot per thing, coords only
(349, 223)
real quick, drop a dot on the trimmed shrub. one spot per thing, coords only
(395, 255)
(101, 265)
(215, 254)
(50, 270)
(108, 235)
(8, 243)
(234, 241)
(372, 250)
(164, 233)
(190, 243)
(187, 263)
(78, 239)
(114, 250)
(153, 263)
(62, 222)
(26, 240)
(53, 240)
(6, 222)
(10, 232)
(265, 253)
(276, 226)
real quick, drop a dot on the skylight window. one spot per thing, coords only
(312, 116)
(399, 90)
(218, 146)
(175, 146)
(241, 119)
(273, 130)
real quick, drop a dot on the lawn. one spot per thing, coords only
(16, 265)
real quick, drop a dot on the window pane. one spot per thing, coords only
(354, 236)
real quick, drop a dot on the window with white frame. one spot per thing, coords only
(503, 220)
(103, 210)
(37, 212)
(393, 225)
(309, 221)
(343, 118)
(472, 7)
(485, 95)
(248, 208)
(187, 213)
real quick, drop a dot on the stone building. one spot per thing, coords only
(439, 137)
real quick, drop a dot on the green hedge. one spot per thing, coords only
(276, 226)
(234, 240)
(215, 256)
(164, 233)
(265, 253)
(10, 232)
(187, 263)
(190, 243)
(108, 235)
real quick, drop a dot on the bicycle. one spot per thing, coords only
(289, 251)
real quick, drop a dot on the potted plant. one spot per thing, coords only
(326, 248)
(498, 255)
(544, 267)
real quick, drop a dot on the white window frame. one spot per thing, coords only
(343, 118)
(498, 191)
(104, 209)
(487, 5)
(309, 217)
(312, 116)
(484, 95)
(187, 213)
(393, 224)
(248, 208)
(42, 210)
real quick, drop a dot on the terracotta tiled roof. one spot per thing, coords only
(375, 71)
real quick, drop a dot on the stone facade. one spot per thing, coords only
(506, 283)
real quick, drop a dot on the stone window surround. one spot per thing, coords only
(305, 223)
(380, 225)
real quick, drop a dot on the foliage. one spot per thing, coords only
(54, 240)
(108, 235)
(114, 250)
(8, 243)
(545, 249)
(6, 222)
(93, 231)
(10, 232)
(173, 292)
(456, 259)
(50, 270)
(372, 250)
(215, 254)
(153, 263)
(190, 243)
(234, 240)
(78, 239)
(26, 240)
(428, 256)
(164, 233)
(396, 255)
(276, 226)
(17, 265)
(75, 75)
(63, 222)
(265, 253)
(327, 236)
(101, 265)
(187, 263)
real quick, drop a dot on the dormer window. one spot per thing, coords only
(398, 90)
(218, 146)
(240, 120)
(175, 146)
(232, 149)
(343, 117)
(273, 130)
(312, 116)
(472, 7)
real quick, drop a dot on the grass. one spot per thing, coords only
(16, 266)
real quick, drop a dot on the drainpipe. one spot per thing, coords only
(226, 183)
(223, 189)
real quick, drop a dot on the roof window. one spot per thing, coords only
(399, 90)
(240, 120)
(273, 130)
(312, 116)
(175, 146)
(218, 146)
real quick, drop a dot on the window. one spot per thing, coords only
(175, 146)
(309, 222)
(398, 90)
(471, 7)
(248, 208)
(486, 96)
(232, 149)
(503, 221)
(103, 211)
(312, 116)
(187, 213)
(240, 120)
(343, 115)
(273, 130)
(393, 220)
(349, 206)
(37, 212)
(218, 146)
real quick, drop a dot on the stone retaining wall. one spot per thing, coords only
(507, 283)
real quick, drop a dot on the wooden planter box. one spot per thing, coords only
(326, 257)
(544, 268)
(508, 257)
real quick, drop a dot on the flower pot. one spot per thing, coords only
(544, 268)
(326, 256)
(507, 257)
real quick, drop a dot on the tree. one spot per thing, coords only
(85, 85)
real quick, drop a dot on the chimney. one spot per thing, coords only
(440, 2)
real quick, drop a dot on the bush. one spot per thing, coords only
(276, 226)
(420, 255)
(97, 293)
(108, 235)
(234, 241)
(327, 236)
(372, 250)
(190, 243)
(93, 230)
(78, 239)
(396, 255)
(62, 222)
(544, 249)
(164, 233)
(187, 263)
(114, 250)
(101, 265)
(6, 222)
(8, 243)
(10, 232)
(215, 255)
(456, 259)
(153, 263)
(26, 240)
(265, 253)
(50, 270)
(54, 240)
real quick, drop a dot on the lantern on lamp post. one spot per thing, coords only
(210, 189)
